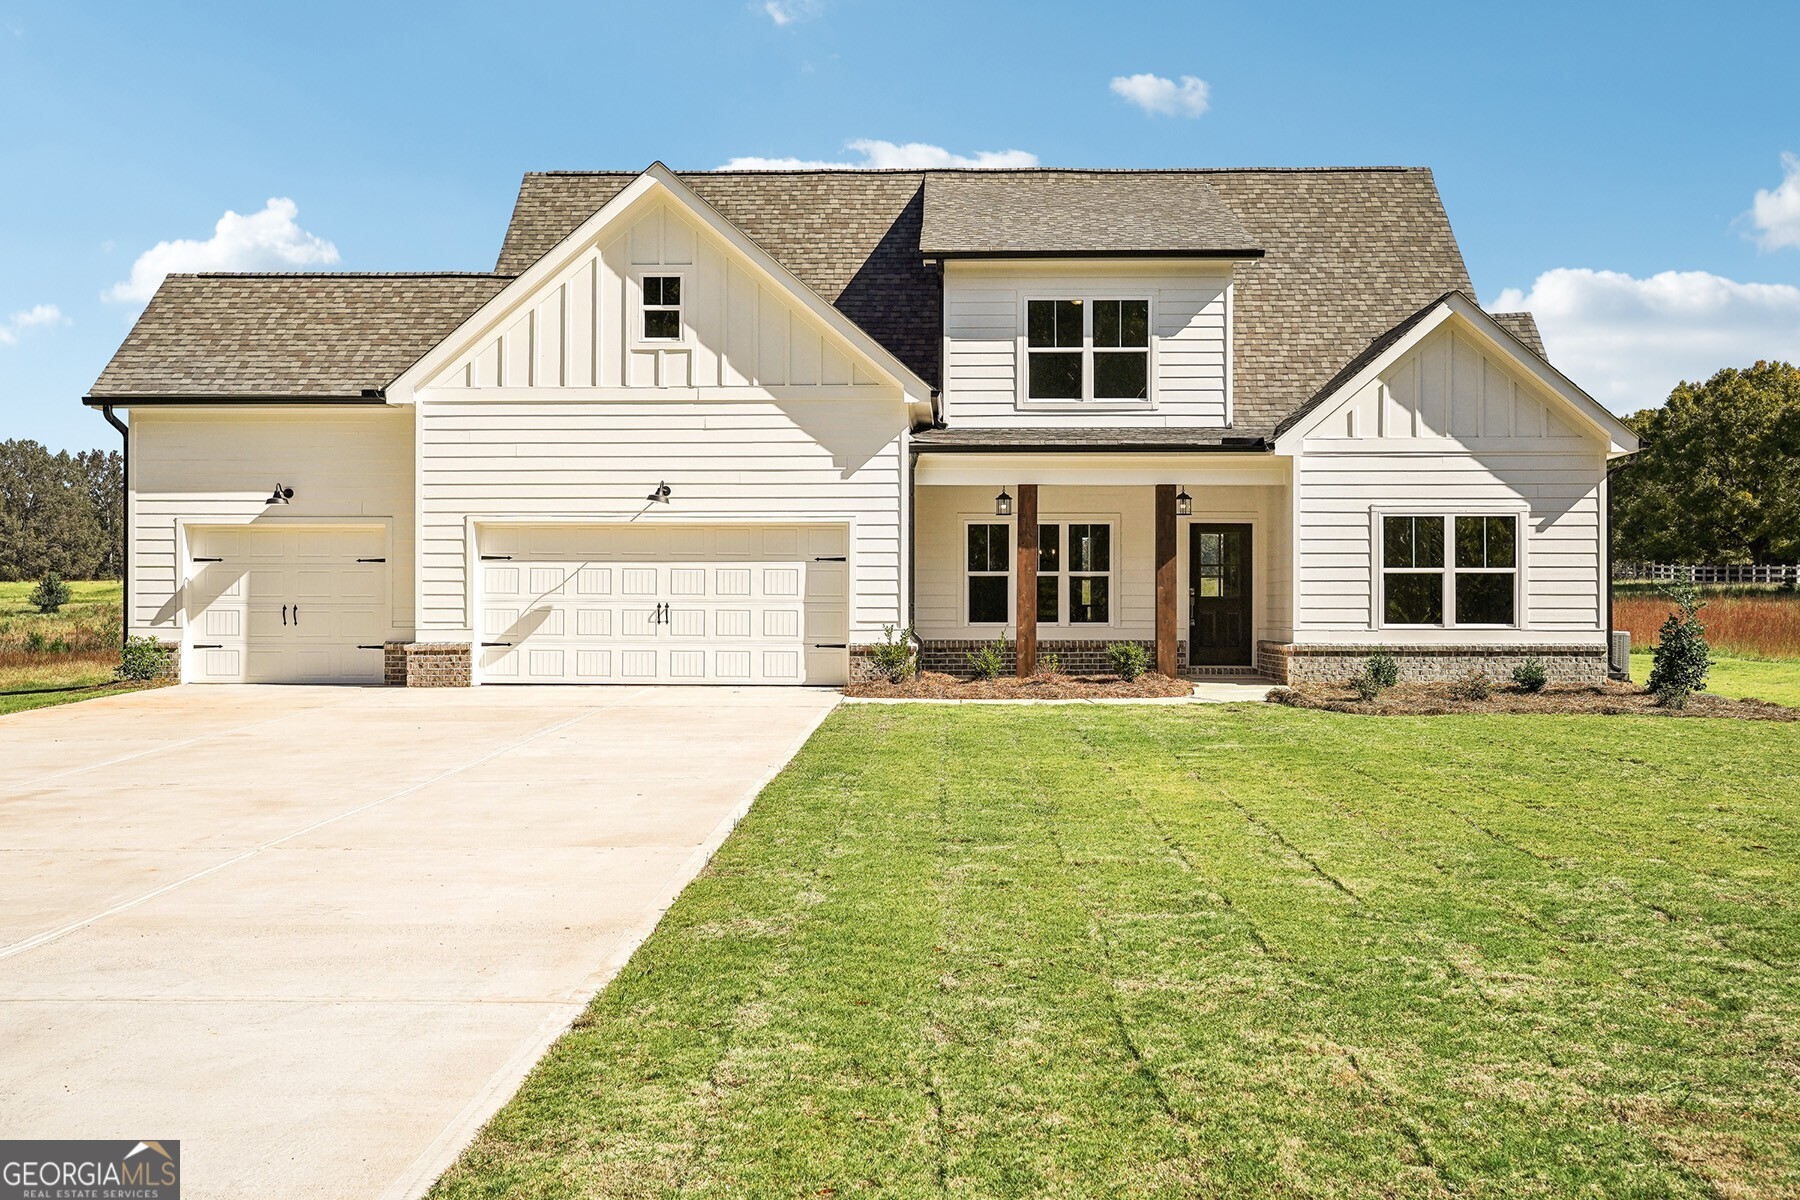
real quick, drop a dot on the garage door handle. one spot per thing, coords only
(296, 614)
(284, 614)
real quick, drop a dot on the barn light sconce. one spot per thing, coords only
(660, 495)
(1184, 504)
(281, 495)
(1003, 504)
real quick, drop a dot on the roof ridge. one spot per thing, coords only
(337, 275)
(1342, 169)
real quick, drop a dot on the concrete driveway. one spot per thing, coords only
(320, 934)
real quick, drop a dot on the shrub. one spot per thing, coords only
(893, 656)
(1530, 675)
(1681, 658)
(142, 660)
(51, 594)
(58, 646)
(35, 642)
(989, 662)
(1383, 669)
(1129, 659)
(1365, 686)
(1049, 664)
(1474, 686)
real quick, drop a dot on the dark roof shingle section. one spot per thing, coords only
(301, 335)
(1078, 212)
(851, 236)
(1523, 326)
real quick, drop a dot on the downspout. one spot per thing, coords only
(106, 410)
(1606, 559)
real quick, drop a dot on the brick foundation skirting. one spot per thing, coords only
(1085, 656)
(170, 671)
(1317, 663)
(428, 664)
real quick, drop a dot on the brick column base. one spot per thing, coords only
(428, 664)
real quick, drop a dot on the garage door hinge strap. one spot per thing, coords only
(371, 560)
(487, 644)
(208, 646)
(829, 558)
(377, 646)
(209, 560)
(831, 645)
(496, 558)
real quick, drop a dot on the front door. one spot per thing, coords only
(1219, 596)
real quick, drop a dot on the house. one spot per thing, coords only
(726, 427)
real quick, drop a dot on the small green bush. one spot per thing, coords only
(1049, 664)
(1365, 686)
(893, 656)
(1383, 669)
(1682, 658)
(1129, 659)
(1474, 686)
(989, 662)
(51, 594)
(142, 660)
(1530, 675)
(35, 642)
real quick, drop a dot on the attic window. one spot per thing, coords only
(662, 308)
(1086, 350)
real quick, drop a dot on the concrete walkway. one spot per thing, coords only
(318, 934)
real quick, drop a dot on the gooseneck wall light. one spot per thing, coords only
(281, 495)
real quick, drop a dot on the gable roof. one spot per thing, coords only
(1523, 326)
(325, 336)
(1059, 213)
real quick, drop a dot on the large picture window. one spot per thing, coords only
(988, 572)
(1450, 569)
(1074, 585)
(1083, 349)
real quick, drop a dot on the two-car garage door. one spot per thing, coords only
(636, 604)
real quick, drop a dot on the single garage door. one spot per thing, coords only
(270, 604)
(727, 604)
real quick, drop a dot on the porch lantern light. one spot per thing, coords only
(1003, 504)
(281, 495)
(1184, 504)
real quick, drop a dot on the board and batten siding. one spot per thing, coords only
(492, 459)
(984, 306)
(580, 330)
(1450, 427)
(217, 467)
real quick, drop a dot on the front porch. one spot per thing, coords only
(1060, 555)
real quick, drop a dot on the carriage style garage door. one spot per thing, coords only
(723, 604)
(273, 604)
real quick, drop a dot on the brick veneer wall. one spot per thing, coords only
(428, 664)
(170, 671)
(1300, 663)
(1077, 657)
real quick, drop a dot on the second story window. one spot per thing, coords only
(662, 308)
(1079, 350)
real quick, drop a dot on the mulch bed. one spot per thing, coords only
(931, 685)
(1611, 699)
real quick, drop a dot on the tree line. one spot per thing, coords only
(59, 512)
(1718, 479)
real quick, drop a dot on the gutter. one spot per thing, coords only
(106, 410)
(368, 396)
(1228, 445)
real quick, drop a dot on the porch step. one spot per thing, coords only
(1203, 673)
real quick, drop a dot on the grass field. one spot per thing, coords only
(1741, 622)
(1243, 951)
(32, 675)
(1776, 680)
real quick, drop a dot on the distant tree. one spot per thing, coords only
(1718, 480)
(49, 521)
(102, 477)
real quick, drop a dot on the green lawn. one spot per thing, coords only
(1776, 680)
(1246, 951)
(87, 629)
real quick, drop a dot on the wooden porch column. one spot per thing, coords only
(1166, 607)
(1026, 510)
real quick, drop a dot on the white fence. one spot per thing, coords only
(1785, 575)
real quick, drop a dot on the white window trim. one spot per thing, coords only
(1449, 571)
(1009, 574)
(1022, 360)
(1063, 522)
(638, 307)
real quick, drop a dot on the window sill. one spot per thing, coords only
(1094, 406)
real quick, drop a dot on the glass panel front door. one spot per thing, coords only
(1219, 614)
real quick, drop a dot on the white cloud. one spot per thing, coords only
(913, 156)
(38, 316)
(786, 12)
(263, 241)
(1776, 214)
(1164, 97)
(1628, 341)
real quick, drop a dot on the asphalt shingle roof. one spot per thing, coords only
(326, 335)
(1523, 326)
(1078, 212)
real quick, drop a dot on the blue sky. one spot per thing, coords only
(1601, 164)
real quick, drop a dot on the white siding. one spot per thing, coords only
(836, 458)
(942, 513)
(1450, 427)
(580, 330)
(218, 467)
(983, 341)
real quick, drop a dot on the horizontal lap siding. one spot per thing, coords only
(1337, 492)
(203, 467)
(832, 458)
(982, 325)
